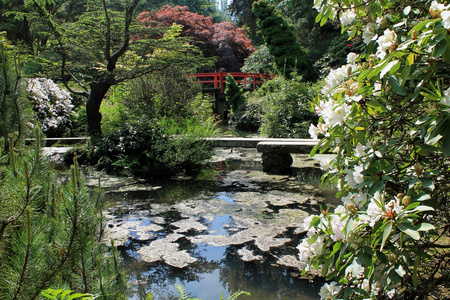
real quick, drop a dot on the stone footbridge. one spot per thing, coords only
(276, 152)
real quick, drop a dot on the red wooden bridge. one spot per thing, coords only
(214, 83)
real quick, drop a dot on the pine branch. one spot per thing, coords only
(26, 257)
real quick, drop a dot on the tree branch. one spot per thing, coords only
(107, 50)
(126, 36)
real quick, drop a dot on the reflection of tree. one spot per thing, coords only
(159, 278)
(262, 278)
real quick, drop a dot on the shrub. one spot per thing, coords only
(52, 105)
(281, 108)
(259, 61)
(151, 147)
(234, 95)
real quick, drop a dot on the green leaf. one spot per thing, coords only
(390, 66)
(419, 26)
(430, 96)
(445, 132)
(427, 183)
(409, 230)
(440, 48)
(425, 227)
(77, 296)
(422, 197)
(386, 233)
(319, 17)
(410, 59)
(401, 90)
(376, 105)
(424, 208)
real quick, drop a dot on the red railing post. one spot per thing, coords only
(221, 81)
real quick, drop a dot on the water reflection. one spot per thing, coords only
(232, 199)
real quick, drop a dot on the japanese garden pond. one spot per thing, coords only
(232, 227)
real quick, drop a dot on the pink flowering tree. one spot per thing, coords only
(386, 117)
(52, 105)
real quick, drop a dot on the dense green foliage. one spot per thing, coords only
(156, 125)
(280, 108)
(14, 111)
(259, 61)
(288, 56)
(155, 147)
(111, 47)
(50, 229)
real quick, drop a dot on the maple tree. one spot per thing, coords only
(230, 45)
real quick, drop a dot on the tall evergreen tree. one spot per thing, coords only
(281, 41)
(233, 94)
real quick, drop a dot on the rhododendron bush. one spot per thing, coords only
(52, 105)
(386, 116)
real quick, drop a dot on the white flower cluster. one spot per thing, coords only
(53, 105)
(333, 112)
(348, 17)
(328, 290)
(440, 10)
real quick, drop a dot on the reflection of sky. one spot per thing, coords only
(209, 287)
(218, 269)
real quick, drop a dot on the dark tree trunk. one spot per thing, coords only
(98, 91)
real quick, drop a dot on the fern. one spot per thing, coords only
(62, 294)
(183, 294)
(235, 295)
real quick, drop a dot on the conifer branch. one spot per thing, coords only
(26, 257)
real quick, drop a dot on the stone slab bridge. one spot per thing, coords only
(276, 152)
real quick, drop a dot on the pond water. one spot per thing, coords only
(231, 228)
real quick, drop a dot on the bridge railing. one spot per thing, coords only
(217, 80)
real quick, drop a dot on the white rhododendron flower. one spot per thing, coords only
(445, 15)
(351, 57)
(355, 198)
(374, 210)
(369, 33)
(306, 250)
(328, 290)
(334, 113)
(334, 79)
(436, 6)
(337, 226)
(348, 17)
(386, 42)
(313, 131)
(446, 99)
(354, 177)
(325, 163)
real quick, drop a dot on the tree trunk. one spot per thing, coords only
(98, 91)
